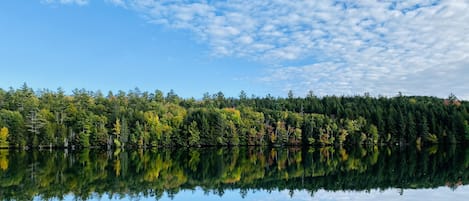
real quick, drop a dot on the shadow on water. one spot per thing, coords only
(91, 173)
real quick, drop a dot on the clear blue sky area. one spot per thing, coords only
(442, 193)
(104, 47)
(330, 47)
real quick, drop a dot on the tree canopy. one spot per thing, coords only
(46, 118)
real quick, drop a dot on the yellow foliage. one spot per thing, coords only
(4, 137)
(117, 167)
(3, 164)
(354, 164)
(3, 160)
(151, 118)
(156, 167)
(343, 154)
(232, 176)
(233, 114)
(117, 127)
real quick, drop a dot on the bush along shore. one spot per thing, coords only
(54, 119)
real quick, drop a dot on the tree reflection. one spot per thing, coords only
(91, 173)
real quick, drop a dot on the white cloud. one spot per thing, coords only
(78, 2)
(378, 46)
(384, 50)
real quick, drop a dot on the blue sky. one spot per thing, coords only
(341, 47)
(440, 193)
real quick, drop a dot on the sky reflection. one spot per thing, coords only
(441, 193)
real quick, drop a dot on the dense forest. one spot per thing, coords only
(93, 174)
(46, 118)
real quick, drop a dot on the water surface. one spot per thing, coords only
(252, 173)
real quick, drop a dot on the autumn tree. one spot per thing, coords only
(4, 137)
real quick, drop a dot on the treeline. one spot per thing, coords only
(93, 174)
(47, 118)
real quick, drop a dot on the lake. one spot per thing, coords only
(246, 173)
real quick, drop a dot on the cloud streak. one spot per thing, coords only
(337, 47)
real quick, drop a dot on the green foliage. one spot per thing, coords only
(143, 119)
(99, 133)
(466, 130)
(117, 143)
(34, 125)
(342, 136)
(374, 134)
(92, 174)
(16, 127)
(84, 139)
(194, 134)
(125, 133)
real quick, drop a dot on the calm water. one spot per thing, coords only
(255, 173)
